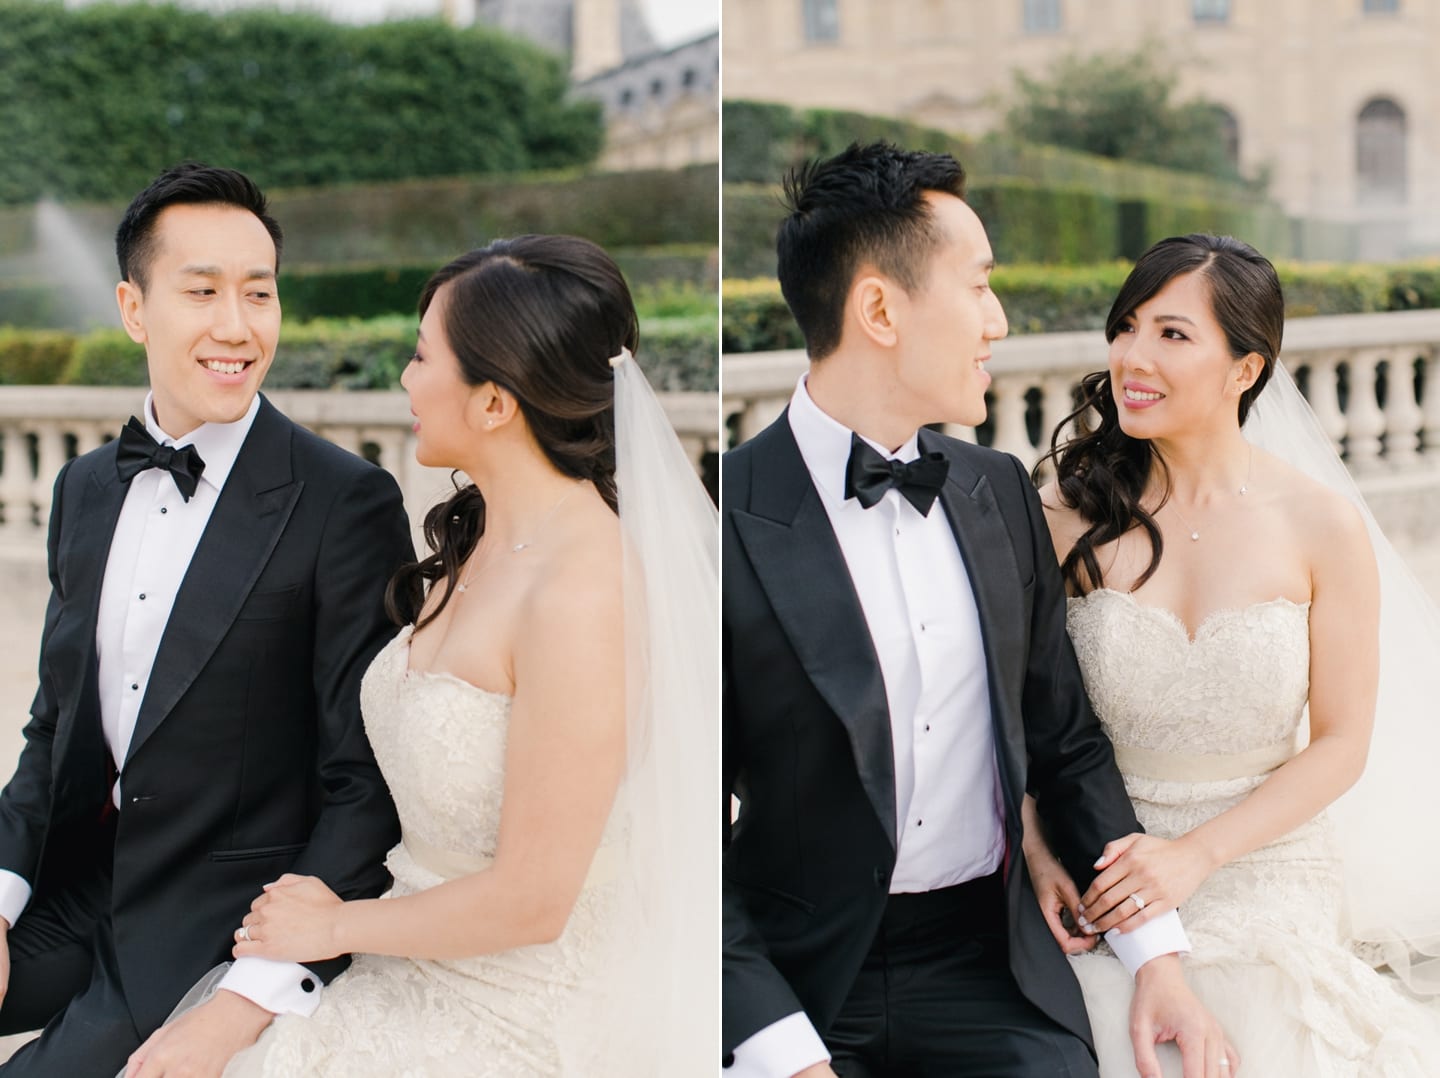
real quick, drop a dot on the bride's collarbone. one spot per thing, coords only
(470, 640)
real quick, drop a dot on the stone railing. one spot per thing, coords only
(41, 427)
(1372, 379)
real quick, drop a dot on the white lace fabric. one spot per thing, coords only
(440, 743)
(1271, 958)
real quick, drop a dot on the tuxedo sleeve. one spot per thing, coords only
(365, 539)
(1078, 790)
(25, 803)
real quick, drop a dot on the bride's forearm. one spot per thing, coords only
(475, 915)
(1294, 794)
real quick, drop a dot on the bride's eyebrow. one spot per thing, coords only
(1173, 318)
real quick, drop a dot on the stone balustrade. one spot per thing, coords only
(41, 427)
(1372, 379)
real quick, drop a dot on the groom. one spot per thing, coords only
(897, 676)
(217, 576)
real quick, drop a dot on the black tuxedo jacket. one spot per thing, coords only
(248, 758)
(807, 744)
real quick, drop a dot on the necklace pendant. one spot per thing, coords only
(1194, 537)
(462, 587)
(518, 547)
(1245, 490)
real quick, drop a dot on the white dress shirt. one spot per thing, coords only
(920, 609)
(155, 538)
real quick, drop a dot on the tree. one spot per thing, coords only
(1121, 107)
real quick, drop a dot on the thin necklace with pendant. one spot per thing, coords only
(525, 544)
(1244, 489)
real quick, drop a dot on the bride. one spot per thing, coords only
(1217, 590)
(546, 724)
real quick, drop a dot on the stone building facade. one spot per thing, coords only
(1338, 99)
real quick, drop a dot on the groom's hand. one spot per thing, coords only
(1164, 1009)
(200, 1042)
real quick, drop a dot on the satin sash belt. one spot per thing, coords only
(451, 865)
(1195, 767)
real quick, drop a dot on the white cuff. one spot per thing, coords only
(1162, 935)
(781, 1049)
(14, 895)
(279, 987)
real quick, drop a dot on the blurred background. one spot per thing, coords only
(1091, 129)
(391, 136)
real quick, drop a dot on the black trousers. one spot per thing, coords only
(64, 979)
(935, 998)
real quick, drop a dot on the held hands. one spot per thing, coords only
(200, 1042)
(1162, 873)
(1164, 1009)
(293, 921)
(1056, 892)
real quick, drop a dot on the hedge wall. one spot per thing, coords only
(95, 101)
(1049, 299)
(1039, 203)
(677, 352)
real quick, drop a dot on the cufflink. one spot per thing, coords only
(307, 985)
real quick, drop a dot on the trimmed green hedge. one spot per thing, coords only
(1051, 299)
(677, 350)
(1039, 203)
(95, 101)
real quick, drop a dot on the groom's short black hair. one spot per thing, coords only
(863, 205)
(187, 183)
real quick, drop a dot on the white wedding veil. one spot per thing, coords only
(1392, 871)
(661, 982)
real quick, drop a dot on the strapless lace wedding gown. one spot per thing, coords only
(1197, 725)
(531, 1011)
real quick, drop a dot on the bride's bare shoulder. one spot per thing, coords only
(1064, 521)
(1322, 517)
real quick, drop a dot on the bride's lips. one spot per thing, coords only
(1137, 396)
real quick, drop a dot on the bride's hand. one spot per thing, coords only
(1158, 872)
(293, 921)
(1056, 893)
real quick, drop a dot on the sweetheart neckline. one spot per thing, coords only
(408, 672)
(1174, 619)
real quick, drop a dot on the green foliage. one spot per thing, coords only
(1052, 299)
(1120, 107)
(105, 357)
(33, 358)
(763, 141)
(95, 101)
(1030, 223)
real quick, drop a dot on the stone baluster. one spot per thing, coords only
(391, 441)
(759, 413)
(1008, 408)
(15, 481)
(1323, 397)
(51, 442)
(1402, 411)
(961, 431)
(88, 435)
(1430, 406)
(1364, 422)
(345, 436)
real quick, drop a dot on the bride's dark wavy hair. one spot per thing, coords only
(540, 316)
(1101, 471)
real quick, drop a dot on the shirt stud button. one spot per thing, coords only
(135, 687)
(164, 510)
(142, 595)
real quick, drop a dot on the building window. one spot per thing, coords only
(1211, 11)
(1380, 154)
(822, 21)
(1382, 7)
(688, 78)
(627, 97)
(1042, 16)
(657, 87)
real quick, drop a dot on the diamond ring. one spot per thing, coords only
(1139, 902)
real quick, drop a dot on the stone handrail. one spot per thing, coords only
(1372, 379)
(41, 427)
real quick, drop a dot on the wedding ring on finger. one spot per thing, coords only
(1139, 902)
(244, 934)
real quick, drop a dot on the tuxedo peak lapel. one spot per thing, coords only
(987, 549)
(248, 520)
(798, 562)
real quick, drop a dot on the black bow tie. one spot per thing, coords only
(139, 451)
(868, 476)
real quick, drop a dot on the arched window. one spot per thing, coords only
(822, 21)
(1380, 154)
(1211, 11)
(1042, 16)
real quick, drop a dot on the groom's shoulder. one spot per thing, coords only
(1003, 468)
(317, 458)
(739, 466)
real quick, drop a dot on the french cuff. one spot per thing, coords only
(779, 1050)
(1161, 935)
(14, 895)
(279, 987)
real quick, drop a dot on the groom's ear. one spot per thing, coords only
(870, 308)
